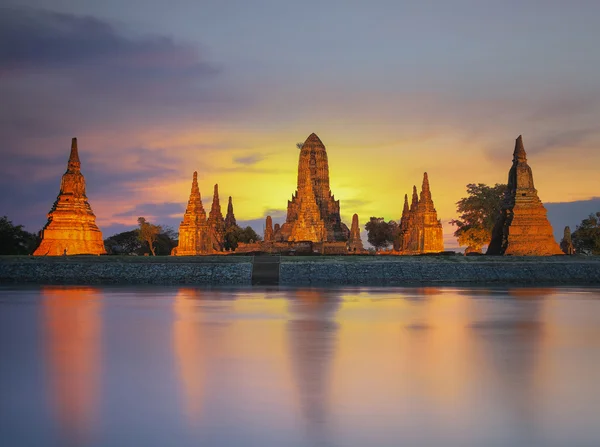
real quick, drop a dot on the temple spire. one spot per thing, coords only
(425, 191)
(268, 229)
(74, 163)
(230, 217)
(519, 153)
(195, 189)
(415, 199)
(405, 211)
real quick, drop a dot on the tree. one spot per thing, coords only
(477, 215)
(125, 243)
(129, 243)
(380, 233)
(148, 233)
(235, 235)
(586, 238)
(14, 240)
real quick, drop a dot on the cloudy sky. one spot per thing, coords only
(156, 89)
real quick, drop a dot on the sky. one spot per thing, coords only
(154, 90)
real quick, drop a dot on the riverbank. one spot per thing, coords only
(300, 270)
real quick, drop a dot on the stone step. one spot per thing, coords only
(265, 270)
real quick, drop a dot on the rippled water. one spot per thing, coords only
(299, 367)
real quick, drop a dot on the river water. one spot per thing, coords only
(299, 367)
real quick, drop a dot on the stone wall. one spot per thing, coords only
(303, 270)
(131, 270)
(377, 271)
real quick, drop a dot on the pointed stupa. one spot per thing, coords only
(425, 192)
(71, 228)
(400, 244)
(405, 209)
(194, 235)
(519, 152)
(216, 221)
(230, 218)
(415, 199)
(313, 167)
(74, 165)
(522, 227)
(566, 245)
(427, 232)
(308, 225)
(268, 237)
(355, 244)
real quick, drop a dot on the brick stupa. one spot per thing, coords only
(268, 236)
(307, 224)
(194, 233)
(230, 218)
(403, 233)
(71, 228)
(216, 222)
(522, 227)
(566, 245)
(355, 244)
(313, 187)
(420, 229)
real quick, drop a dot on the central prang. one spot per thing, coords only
(313, 214)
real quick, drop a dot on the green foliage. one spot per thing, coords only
(586, 238)
(129, 243)
(14, 240)
(477, 215)
(235, 235)
(380, 233)
(126, 243)
(148, 233)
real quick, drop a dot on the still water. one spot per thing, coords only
(299, 367)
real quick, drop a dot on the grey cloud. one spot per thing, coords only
(33, 39)
(250, 159)
(154, 209)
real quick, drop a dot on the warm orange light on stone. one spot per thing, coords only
(216, 222)
(355, 244)
(522, 227)
(71, 227)
(313, 213)
(420, 229)
(194, 232)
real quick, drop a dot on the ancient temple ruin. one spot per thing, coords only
(230, 217)
(522, 227)
(313, 222)
(566, 245)
(304, 220)
(194, 231)
(420, 229)
(216, 222)
(71, 228)
(355, 245)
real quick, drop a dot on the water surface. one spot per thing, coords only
(299, 367)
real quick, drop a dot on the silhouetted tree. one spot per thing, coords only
(129, 243)
(586, 238)
(14, 240)
(477, 215)
(234, 235)
(125, 243)
(380, 233)
(148, 233)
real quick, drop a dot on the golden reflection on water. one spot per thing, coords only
(72, 329)
(189, 346)
(312, 343)
(373, 362)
